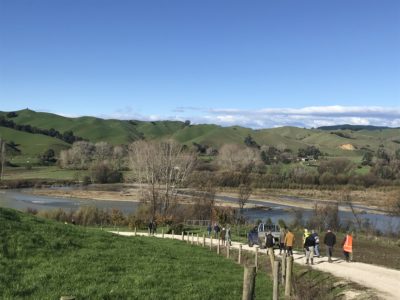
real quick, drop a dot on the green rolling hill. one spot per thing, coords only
(124, 132)
(30, 145)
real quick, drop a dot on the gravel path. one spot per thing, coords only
(385, 281)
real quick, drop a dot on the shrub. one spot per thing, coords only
(327, 178)
(103, 173)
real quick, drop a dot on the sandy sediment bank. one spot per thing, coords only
(133, 194)
(125, 195)
(88, 194)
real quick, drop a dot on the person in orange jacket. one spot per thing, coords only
(289, 242)
(347, 246)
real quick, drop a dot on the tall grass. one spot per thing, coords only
(43, 259)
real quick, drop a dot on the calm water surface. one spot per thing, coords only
(22, 200)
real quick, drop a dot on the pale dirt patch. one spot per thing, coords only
(83, 194)
(349, 147)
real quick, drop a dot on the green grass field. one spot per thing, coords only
(42, 259)
(43, 172)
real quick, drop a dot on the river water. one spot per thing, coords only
(22, 200)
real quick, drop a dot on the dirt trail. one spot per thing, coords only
(385, 281)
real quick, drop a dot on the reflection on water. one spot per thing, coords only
(22, 201)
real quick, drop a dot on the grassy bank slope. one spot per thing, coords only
(41, 259)
(31, 145)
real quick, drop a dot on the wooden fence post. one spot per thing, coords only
(288, 284)
(162, 233)
(218, 247)
(240, 254)
(204, 240)
(283, 268)
(275, 291)
(256, 259)
(192, 238)
(197, 237)
(188, 238)
(227, 251)
(211, 242)
(173, 234)
(183, 237)
(249, 280)
(272, 259)
(135, 231)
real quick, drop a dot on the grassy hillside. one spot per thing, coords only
(93, 129)
(41, 259)
(31, 145)
(124, 132)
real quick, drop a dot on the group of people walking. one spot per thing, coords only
(311, 244)
(221, 233)
(310, 241)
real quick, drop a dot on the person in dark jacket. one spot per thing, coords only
(309, 245)
(217, 229)
(150, 227)
(316, 238)
(223, 234)
(269, 243)
(209, 229)
(329, 241)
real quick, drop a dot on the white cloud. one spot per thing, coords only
(312, 116)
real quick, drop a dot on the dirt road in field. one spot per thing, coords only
(386, 282)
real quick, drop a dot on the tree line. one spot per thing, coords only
(67, 136)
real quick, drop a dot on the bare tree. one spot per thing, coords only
(234, 158)
(103, 151)
(244, 194)
(346, 199)
(163, 166)
(79, 156)
(119, 157)
(205, 201)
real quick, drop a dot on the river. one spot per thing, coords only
(22, 200)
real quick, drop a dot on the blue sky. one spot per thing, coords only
(252, 63)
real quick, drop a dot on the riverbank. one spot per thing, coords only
(131, 194)
(306, 199)
(303, 200)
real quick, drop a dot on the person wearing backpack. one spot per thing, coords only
(316, 238)
(309, 245)
(269, 243)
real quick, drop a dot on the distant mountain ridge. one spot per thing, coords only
(116, 132)
(355, 127)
